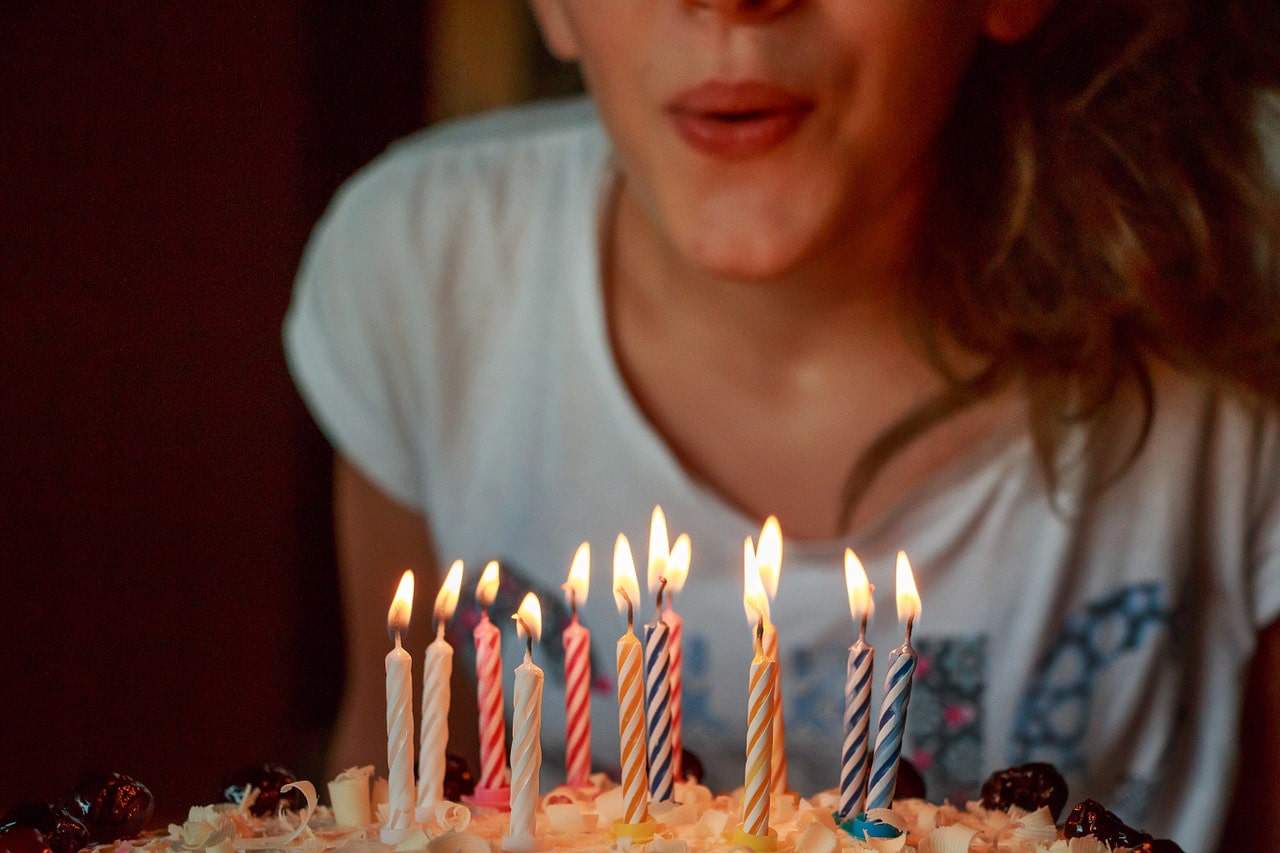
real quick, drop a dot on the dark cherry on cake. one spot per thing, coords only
(63, 831)
(691, 766)
(113, 806)
(267, 779)
(1027, 786)
(1089, 818)
(22, 839)
(910, 784)
(458, 781)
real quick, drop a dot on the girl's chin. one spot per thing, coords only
(744, 253)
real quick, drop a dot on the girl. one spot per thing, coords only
(988, 280)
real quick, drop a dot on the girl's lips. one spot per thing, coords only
(737, 120)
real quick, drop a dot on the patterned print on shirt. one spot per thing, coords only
(1053, 716)
(944, 738)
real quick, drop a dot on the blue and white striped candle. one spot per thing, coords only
(897, 695)
(657, 695)
(857, 694)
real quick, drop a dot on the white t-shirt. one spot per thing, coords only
(448, 333)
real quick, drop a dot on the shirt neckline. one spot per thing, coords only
(918, 503)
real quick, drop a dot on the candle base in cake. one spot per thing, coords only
(758, 843)
(638, 833)
(519, 843)
(393, 836)
(490, 798)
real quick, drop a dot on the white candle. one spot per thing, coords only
(437, 667)
(399, 667)
(526, 732)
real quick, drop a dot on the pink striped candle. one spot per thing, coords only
(677, 573)
(577, 674)
(494, 775)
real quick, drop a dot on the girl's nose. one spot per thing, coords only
(744, 9)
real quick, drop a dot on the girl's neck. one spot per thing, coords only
(846, 293)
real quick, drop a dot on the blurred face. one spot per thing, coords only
(755, 135)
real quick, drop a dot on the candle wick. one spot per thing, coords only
(398, 646)
(760, 635)
(662, 586)
(439, 629)
(862, 629)
(573, 604)
(911, 623)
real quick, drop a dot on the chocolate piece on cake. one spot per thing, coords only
(1027, 786)
(691, 767)
(1089, 818)
(63, 831)
(910, 784)
(113, 806)
(458, 781)
(267, 780)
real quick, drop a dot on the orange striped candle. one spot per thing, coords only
(757, 784)
(635, 822)
(769, 564)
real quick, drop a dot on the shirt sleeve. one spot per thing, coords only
(345, 342)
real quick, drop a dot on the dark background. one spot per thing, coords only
(168, 600)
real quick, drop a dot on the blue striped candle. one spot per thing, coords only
(892, 726)
(857, 722)
(657, 694)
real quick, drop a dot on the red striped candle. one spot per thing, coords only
(577, 674)
(493, 745)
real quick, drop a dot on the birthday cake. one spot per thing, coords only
(658, 805)
(266, 809)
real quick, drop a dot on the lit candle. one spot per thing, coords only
(677, 573)
(657, 668)
(577, 673)
(526, 731)
(857, 693)
(635, 824)
(897, 694)
(437, 667)
(769, 560)
(491, 789)
(399, 718)
(757, 790)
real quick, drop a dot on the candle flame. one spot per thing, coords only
(659, 551)
(678, 564)
(487, 586)
(769, 555)
(626, 589)
(401, 605)
(447, 597)
(754, 600)
(908, 597)
(579, 581)
(855, 578)
(529, 618)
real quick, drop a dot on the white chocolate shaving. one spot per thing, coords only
(271, 843)
(565, 818)
(951, 839)
(817, 839)
(349, 794)
(609, 806)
